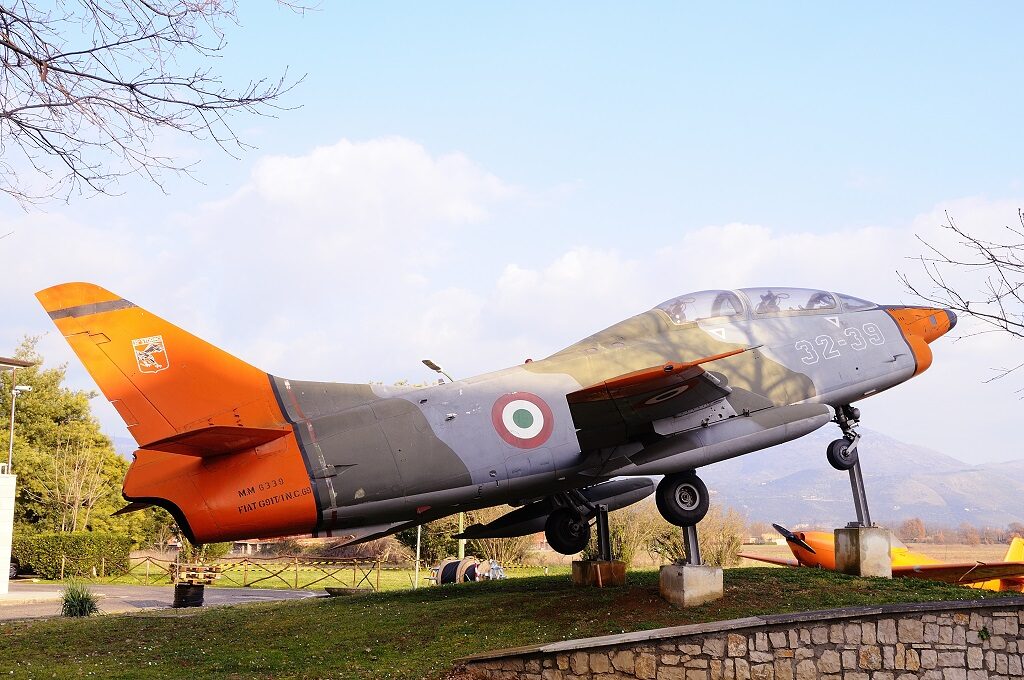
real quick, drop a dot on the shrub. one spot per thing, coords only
(719, 535)
(80, 552)
(78, 600)
(205, 553)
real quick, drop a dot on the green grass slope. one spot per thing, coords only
(411, 634)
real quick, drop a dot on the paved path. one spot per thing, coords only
(36, 600)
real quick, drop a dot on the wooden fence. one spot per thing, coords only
(279, 572)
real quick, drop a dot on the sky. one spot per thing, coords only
(480, 184)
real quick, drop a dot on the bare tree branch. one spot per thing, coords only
(86, 86)
(994, 293)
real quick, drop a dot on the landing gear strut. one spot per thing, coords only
(842, 455)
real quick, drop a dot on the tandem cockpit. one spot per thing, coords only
(757, 302)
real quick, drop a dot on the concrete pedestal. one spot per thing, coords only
(7, 483)
(863, 551)
(599, 573)
(685, 585)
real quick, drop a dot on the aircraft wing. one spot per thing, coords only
(961, 573)
(617, 410)
(781, 561)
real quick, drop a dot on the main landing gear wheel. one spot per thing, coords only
(840, 455)
(566, 531)
(682, 499)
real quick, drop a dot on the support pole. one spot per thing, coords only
(604, 543)
(419, 535)
(692, 546)
(860, 498)
(462, 541)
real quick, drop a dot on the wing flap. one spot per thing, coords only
(615, 410)
(976, 572)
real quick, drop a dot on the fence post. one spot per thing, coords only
(245, 572)
(147, 571)
(62, 558)
(378, 576)
(103, 566)
(296, 572)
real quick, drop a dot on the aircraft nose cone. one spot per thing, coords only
(927, 323)
(951, 315)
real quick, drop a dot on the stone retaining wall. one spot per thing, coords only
(937, 640)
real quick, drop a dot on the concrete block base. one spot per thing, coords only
(863, 551)
(599, 573)
(685, 585)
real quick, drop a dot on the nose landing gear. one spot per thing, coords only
(842, 455)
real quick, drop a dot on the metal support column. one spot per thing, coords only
(860, 498)
(692, 546)
(604, 543)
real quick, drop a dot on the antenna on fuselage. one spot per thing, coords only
(434, 367)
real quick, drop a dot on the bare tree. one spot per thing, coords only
(75, 483)
(977, 277)
(86, 86)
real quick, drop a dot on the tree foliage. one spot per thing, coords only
(719, 536)
(87, 85)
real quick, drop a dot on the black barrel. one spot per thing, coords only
(188, 595)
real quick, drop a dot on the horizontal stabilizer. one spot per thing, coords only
(216, 441)
(961, 573)
(131, 507)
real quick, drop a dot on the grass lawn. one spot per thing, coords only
(410, 634)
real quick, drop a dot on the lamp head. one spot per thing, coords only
(22, 388)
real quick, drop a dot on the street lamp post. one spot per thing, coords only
(18, 389)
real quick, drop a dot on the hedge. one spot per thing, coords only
(81, 551)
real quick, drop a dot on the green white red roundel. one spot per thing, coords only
(522, 419)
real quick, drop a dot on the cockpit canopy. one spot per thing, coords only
(759, 302)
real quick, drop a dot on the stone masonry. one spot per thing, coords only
(969, 640)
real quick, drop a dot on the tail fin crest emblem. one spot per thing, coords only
(151, 354)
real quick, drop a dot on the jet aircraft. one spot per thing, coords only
(233, 452)
(818, 549)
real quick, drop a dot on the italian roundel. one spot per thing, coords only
(522, 419)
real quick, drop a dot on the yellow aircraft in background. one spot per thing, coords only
(817, 549)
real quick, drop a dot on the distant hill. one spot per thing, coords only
(792, 484)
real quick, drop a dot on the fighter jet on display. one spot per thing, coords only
(818, 549)
(233, 452)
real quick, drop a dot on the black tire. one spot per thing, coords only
(13, 572)
(566, 531)
(840, 455)
(682, 499)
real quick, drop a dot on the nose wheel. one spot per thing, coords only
(842, 453)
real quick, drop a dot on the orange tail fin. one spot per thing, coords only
(1016, 551)
(163, 381)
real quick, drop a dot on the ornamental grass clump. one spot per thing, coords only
(78, 600)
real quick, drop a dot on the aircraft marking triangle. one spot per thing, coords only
(720, 332)
(834, 320)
